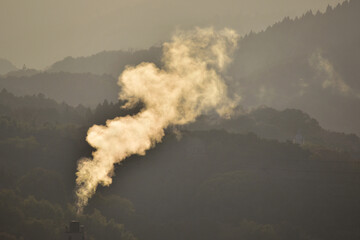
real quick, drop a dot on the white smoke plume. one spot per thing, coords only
(189, 84)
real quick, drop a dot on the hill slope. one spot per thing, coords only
(208, 184)
(107, 62)
(309, 63)
(6, 66)
(73, 88)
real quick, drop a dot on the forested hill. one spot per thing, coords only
(73, 88)
(39, 111)
(209, 184)
(289, 38)
(6, 66)
(309, 63)
(107, 62)
(284, 126)
(334, 32)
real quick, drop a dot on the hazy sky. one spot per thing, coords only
(40, 32)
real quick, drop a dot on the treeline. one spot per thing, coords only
(38, 110)
(73, 88)
(284, 125)
(107, 62)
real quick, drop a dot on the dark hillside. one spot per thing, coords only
(216, 185)
(73, 88)
(6, 66)
(210, 184)
(310, 63)
(107, 62)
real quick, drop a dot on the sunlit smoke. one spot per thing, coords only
(189, 84)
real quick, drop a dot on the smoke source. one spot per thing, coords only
(189, 84)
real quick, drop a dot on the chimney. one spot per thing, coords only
(75, 231)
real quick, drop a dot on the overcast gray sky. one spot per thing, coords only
(40, 32)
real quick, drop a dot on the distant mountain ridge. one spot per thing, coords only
(6, 66)
(73, 88)
(309, 63)
(107, 62)
(295, 37)
(285, 125)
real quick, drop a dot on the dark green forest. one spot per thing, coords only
(240, 178)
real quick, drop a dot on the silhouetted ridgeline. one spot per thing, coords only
(6, 66)
(309, 63)
(107, 62)
(73, 88)
(37, 110)
(283, 126)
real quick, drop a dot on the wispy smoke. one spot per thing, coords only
(331, 78)
(189, 84)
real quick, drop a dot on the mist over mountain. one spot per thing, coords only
(285, 125)
(310, 63)
(6, 66)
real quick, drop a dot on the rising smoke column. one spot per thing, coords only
(189, 84)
